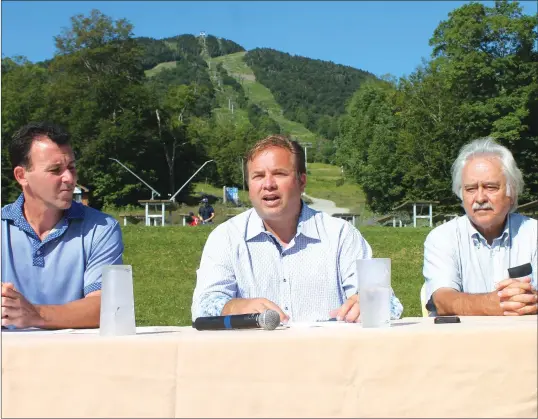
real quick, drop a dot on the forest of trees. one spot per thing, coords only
(186, 47)
(399, 138)
(162, 127)
(312, 92)
(217, 47)
(396, 137)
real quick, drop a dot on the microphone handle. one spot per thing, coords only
(234, 321)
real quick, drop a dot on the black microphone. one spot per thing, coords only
(267, 320)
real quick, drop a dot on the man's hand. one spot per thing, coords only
(349, 311)
(518, 296)
(17, 311)
(252, 305)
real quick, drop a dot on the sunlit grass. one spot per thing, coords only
(165, 260)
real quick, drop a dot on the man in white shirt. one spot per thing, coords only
(466, 260)
(281, 254)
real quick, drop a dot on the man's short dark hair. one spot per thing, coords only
(19, 149)
(280, 141)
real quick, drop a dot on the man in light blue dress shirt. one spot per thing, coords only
(281, 254)
(53, 248)
(466, 260)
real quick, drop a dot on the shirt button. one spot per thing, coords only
(284, 279)
(38, 252)
(286, 308)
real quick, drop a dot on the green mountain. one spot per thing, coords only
(276, 91)
(312, 92)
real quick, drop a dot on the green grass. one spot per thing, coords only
(165, 260)
(239, 116)
(175, 217)
(325, 181)
(260, 95)
(206, 188)
(151, 72)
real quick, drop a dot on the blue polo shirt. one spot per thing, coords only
(66, 265)
(206, 211)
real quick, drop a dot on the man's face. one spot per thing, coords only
(52, 176)
(274, 189)
(484, 192)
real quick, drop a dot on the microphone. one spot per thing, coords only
(267, 320)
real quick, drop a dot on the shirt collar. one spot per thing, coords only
(306, 225)
(15, 211)
(476, 236)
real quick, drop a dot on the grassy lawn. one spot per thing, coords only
(151, 72)
(260, 95)
(325, 181)
(165, 260)
(206, 188)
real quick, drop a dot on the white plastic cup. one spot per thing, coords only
(117, 301)
(374, 292)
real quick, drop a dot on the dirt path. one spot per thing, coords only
(326, 206)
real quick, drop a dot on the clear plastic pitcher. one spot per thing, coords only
(117, 301)
(374, 291)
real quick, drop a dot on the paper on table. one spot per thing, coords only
(323, 324)
(35, 330)
(142, 330)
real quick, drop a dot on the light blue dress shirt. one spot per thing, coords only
(67, 264)
(457, 256)
(314, 274)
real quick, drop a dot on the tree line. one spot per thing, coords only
(399, 138)
(311, 92)
(396, 137)
(161, 127)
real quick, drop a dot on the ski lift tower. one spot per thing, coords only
(203, 36)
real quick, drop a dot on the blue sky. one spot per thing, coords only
(380, 37)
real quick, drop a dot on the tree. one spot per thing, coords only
(23, 100)
(368, 144)
(173, 119)
(96, 90)
(488, 58)
(400, 142)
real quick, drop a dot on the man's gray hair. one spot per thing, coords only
(489, 147)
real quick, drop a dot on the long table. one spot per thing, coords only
(482, 367)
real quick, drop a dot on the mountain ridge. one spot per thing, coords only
(311, 115)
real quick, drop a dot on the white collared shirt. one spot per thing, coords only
(457, 256)
(313, 275)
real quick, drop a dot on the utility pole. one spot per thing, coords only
(243, 171)
(305, 146)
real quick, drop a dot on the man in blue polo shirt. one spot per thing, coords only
(206, 213)
(53, 248)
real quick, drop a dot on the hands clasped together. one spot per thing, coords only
(518, 296)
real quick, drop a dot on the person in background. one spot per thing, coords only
(206, 213)
(466, 260)
(281, 254)
(53, 248)
(193, 220)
